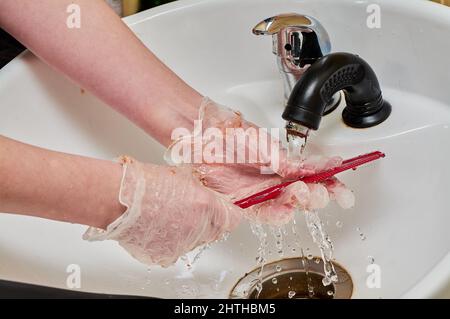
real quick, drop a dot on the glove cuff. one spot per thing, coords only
(132, 188)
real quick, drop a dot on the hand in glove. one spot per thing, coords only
(243, 179)
(169, 213)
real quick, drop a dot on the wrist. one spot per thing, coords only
(178, 110)
(107, 201)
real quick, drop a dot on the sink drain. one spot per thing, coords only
(287, 278)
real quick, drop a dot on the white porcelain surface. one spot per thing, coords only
(402, 201)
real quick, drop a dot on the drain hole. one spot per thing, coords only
(292, 282)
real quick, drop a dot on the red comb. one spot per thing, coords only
(275, 191)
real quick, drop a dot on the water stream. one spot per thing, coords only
(296, 146)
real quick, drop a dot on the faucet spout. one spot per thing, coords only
(330, 74)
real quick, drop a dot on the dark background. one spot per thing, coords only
(153, 3)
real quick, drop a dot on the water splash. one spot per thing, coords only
(199, 253)
(323, 241)
(277, 233)
(361, 234)
(304, 260)
(187, 291)
(259, 231)
(296, 146)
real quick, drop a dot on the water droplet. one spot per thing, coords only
(293, 250)
(339, 224)
(278, 289)
(326, 281)
(330, 293)
(361, 234)
(225, 236)
(371, 259)
(187, 291)
(274, 280)
(278, 268)
(290, 278)
(291, 294)
(317, 260)
(260, 271)
(310, 256)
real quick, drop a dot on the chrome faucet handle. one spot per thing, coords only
(298, 40)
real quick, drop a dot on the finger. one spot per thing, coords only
(234, 217)
(281, 211)
(319, 197)
(272, 213)
(341, 194)
(296, 194)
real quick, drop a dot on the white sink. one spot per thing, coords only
(402, 206)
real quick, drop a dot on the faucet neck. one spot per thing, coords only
(330, 74)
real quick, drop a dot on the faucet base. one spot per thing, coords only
(356, 117)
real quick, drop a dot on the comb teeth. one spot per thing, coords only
(275, 191)
(346, 165)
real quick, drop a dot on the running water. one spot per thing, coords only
(261, 259)
(305, 261)
(277, 233)
(296, 146)
(315, 226)
(323, 241)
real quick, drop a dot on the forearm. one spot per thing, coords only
(105, 57)
(58, 186)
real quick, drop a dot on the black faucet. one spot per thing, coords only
(328, 75)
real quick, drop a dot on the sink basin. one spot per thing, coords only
(401, 215)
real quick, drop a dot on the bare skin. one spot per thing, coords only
(76, 189)
(58, 186)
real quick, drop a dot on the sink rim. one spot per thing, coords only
(425, 284)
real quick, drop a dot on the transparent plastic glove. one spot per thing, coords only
(169, 213)
(243, 179)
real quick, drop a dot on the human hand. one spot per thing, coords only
(169, 213)
(238, 180)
